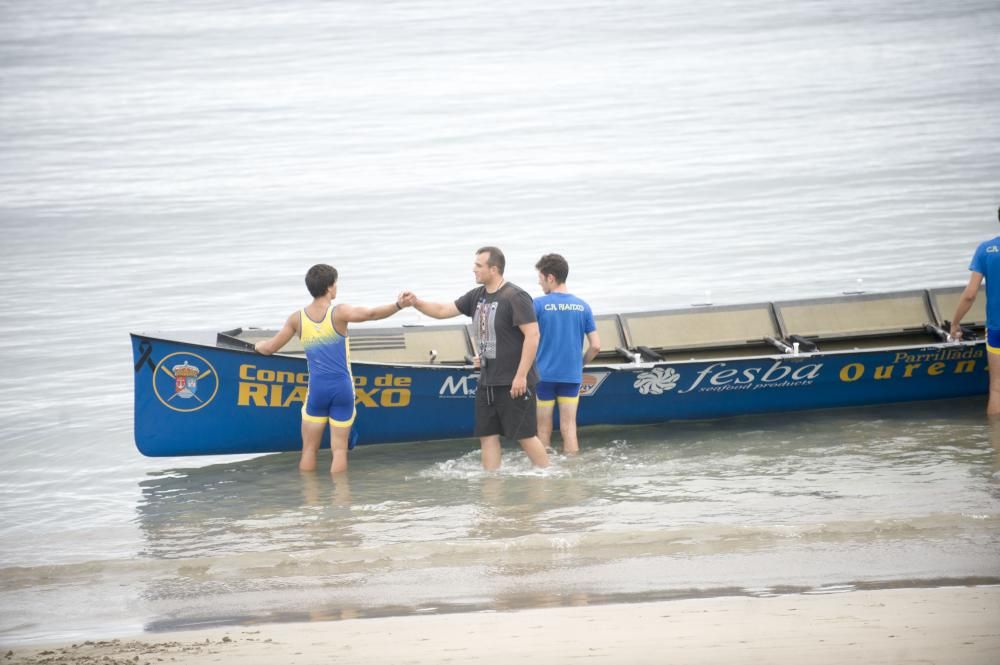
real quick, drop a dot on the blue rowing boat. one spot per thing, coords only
(210, 394)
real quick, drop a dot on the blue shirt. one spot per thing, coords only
(564, 321)
(986, 261)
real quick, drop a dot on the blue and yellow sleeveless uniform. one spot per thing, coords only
(331, 386)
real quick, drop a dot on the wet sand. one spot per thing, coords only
(955, 625)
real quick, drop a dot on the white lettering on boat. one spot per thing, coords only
(714, 378)
(464, 386)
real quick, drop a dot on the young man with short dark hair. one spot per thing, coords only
(322, 327)
(564, 322)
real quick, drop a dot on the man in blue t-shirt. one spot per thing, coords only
(564, 321)
(985, 264)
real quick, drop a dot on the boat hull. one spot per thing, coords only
(203, 399)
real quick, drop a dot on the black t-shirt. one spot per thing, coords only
(495, 319)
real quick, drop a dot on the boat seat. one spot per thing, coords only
(703, 332)
(609, 328)
(944, 302)
(447, 345)
(860, 321)
(407, 344)
(245, 338)
(613, 344)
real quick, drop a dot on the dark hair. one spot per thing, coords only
(998, 212)
(496, 259)
(555, 265)
(320, 278)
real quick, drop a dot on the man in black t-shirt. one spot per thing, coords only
(503, 317)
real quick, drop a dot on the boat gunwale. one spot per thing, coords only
(623, 366)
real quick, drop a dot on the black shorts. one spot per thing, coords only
(499, 413)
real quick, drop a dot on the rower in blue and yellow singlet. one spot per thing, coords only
(331, 385)
(330, 395)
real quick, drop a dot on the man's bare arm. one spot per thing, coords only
(965, 302)
(528, 351)
(356, 314)
(273, 345)
(435, 310)
(593, 348)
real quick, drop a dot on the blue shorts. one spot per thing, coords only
(331, 400)
(993, 340)
(550, 391)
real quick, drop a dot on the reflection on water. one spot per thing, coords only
(748, 505)
(677, 509)
(315, 493)
(846, 464)
(993, 428)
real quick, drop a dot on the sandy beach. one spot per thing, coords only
(937, 625)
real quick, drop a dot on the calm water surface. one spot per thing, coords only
(180, 165)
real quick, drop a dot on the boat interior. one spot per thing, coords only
(853, 321)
